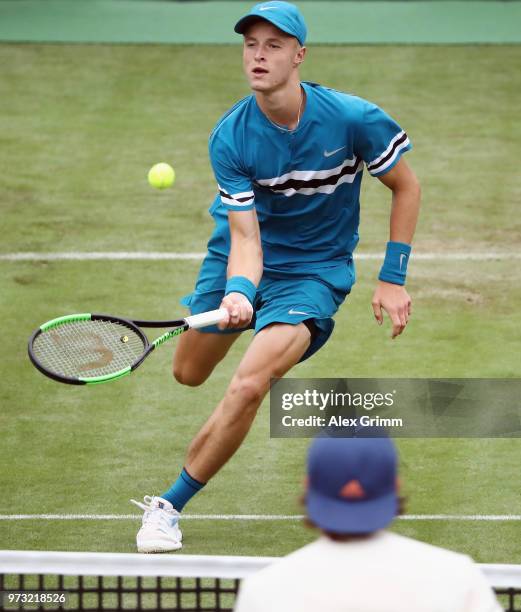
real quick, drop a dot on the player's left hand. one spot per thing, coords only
(395, 300)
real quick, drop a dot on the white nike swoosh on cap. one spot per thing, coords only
(329, 153)
(267, 8)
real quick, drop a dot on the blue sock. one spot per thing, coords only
(183, 489)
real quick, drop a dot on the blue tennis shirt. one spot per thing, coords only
(304, 184)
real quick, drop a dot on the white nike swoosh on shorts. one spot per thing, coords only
(297, 312)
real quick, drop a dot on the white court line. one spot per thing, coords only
(151, 256)
(249, 517)
(110, 256)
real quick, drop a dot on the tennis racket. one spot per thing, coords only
(88, 349)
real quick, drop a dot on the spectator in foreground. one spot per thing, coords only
(356, 564)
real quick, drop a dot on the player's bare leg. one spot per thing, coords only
(272, 352)
(198, 353)
(196, 356)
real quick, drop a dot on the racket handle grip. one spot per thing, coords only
(206, 318)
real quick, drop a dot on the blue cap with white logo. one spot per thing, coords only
(282, 15)
(352, 484)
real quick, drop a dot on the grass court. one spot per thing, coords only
(80, 126)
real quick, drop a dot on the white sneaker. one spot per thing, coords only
(160, 528)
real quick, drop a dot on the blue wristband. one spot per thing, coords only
(241, 284)
(394, 269)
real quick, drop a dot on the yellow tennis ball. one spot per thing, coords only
(161, 176)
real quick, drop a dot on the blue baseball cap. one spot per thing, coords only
(282, 15)
(352, 484)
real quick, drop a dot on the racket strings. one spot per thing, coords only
(88, 348)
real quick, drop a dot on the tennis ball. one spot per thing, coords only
(161, 176)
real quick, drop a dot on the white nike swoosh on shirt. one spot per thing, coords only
(329, 153)
(297, 312)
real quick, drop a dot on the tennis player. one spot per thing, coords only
(288, 160)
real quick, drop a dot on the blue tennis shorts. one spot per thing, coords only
(282, 297)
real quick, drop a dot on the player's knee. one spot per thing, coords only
(188, 376)
(249, 390)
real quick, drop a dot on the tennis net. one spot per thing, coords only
(191, 583)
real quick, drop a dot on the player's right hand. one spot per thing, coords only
(239, 309)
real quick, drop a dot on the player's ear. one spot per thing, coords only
(299, 55)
